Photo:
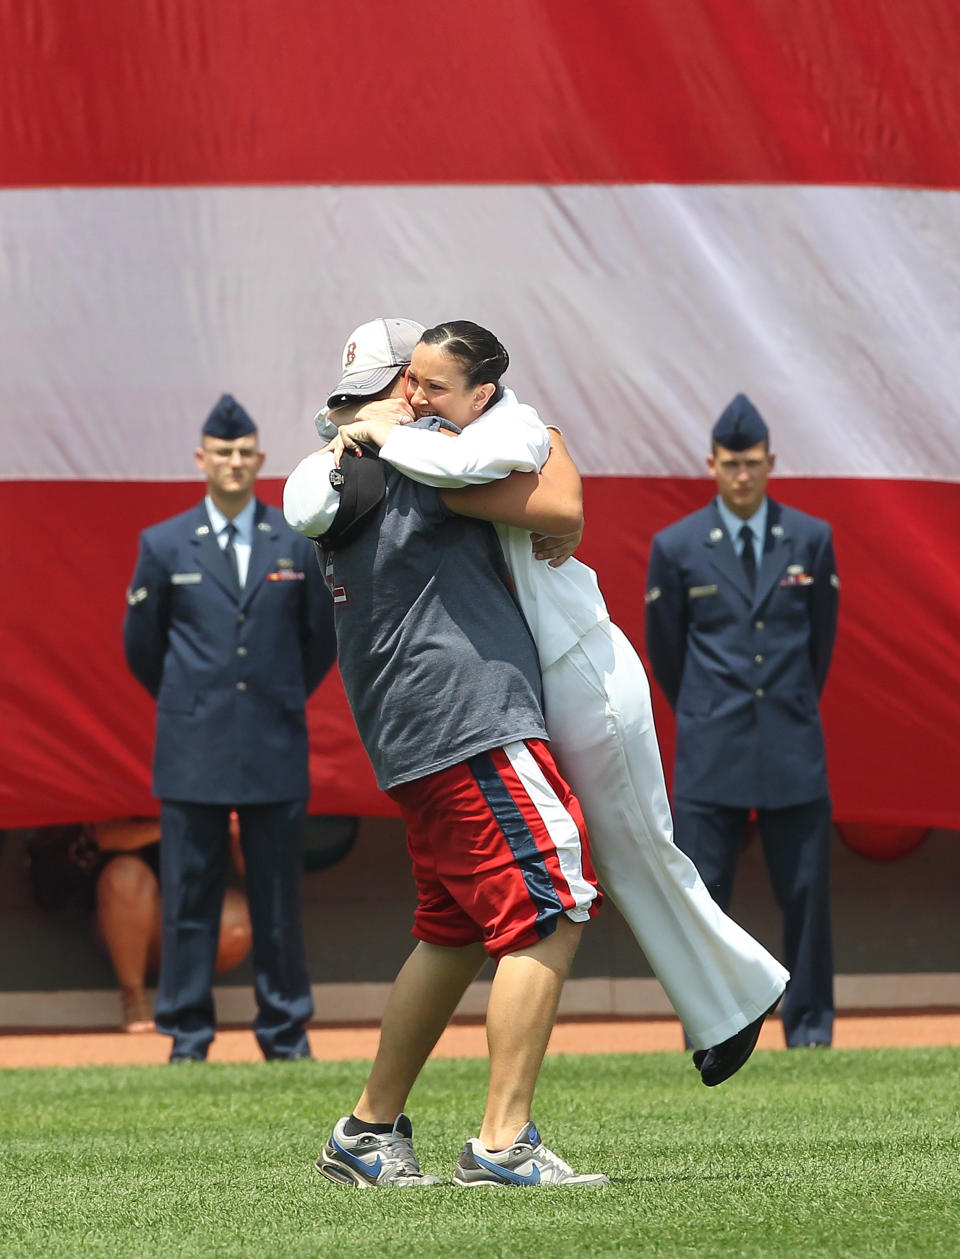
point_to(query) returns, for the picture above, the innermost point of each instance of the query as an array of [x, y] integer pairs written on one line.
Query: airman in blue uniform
[[742, 599], [229, 626]]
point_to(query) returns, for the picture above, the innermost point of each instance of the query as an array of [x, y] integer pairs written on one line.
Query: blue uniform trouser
[[796, 845], [194, 857]]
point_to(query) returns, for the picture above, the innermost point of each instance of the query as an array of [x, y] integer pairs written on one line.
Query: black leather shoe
[[721, 1061]]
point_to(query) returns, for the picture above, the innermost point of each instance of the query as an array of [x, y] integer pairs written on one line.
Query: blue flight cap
[[740, 426], [228, 421]]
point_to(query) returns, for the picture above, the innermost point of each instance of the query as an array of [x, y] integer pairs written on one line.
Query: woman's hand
[[372, 424], [555, 550]]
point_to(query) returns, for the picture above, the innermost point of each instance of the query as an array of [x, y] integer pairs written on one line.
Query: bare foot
[[137, 1015]]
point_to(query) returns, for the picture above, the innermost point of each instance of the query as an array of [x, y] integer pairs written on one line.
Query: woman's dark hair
[[480, 355]]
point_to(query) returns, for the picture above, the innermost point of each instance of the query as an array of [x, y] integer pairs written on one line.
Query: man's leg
[[509, 1151], [193, 871], [374, 1145], [270, 836], [520, 1017], [712, 836], [498, 848], [422, 1001], [796, 843]]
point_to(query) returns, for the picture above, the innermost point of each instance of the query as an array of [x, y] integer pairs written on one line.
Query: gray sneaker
[[526, 1163], [373, 1160]]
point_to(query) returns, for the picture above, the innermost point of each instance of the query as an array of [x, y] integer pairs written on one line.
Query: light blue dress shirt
[[758, 527], [243, 542]]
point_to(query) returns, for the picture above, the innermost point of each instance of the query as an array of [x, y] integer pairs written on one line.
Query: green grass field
[[852, 1153]]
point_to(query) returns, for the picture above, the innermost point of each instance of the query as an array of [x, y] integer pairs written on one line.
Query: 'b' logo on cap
[[350, 354]]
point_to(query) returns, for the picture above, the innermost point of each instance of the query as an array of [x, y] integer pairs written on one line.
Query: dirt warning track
[[462, 1040]]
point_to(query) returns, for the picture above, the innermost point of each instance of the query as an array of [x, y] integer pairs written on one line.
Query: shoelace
[[401, 1149], [552, 1160]]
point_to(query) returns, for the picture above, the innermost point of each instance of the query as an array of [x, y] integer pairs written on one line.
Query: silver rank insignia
[[652, 595], [716, 535], [777, 531], [201, 530], [264, 527], [835, 581], [136, 596]]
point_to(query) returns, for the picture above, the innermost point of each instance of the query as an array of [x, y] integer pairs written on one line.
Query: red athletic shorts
[[499, 850]]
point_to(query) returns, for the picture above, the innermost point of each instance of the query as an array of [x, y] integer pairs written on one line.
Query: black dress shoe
[[722, 1061], [698, 1057]]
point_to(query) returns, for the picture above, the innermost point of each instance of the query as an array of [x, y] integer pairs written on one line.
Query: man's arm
[[146, 622], [824, 609], [310, 500], [666, 622]]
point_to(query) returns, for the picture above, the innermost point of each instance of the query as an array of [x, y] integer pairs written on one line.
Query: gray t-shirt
[[436, 659]]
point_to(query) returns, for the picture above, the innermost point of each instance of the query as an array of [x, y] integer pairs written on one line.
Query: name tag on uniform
[[699, 592], [186, 579]]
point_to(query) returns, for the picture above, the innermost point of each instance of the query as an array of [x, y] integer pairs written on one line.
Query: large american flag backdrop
[[655, 203]]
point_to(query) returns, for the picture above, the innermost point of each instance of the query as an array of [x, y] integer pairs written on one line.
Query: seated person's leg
[[128, 914], [235, 931]]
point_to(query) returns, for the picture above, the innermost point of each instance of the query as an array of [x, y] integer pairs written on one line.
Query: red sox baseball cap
[[373, 355]]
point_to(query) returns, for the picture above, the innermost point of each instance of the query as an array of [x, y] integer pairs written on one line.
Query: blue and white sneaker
[[373, 1160], [526, 1163]]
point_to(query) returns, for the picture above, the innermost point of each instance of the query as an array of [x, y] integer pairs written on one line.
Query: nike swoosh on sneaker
[[532, 1178], [368, 1169]]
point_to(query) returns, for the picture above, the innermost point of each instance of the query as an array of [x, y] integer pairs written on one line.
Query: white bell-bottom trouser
[[600, 721]]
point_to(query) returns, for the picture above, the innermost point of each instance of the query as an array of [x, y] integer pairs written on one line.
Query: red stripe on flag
[[515, 91], [76, 731]]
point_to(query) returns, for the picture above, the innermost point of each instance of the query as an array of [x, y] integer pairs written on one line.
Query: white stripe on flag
[[632, 314]]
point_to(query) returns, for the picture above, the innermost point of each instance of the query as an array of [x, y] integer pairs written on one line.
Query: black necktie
[[748, 555], [230, 551]]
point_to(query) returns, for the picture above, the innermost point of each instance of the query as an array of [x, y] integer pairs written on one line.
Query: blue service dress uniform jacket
[[743, 669], [230, 669]]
